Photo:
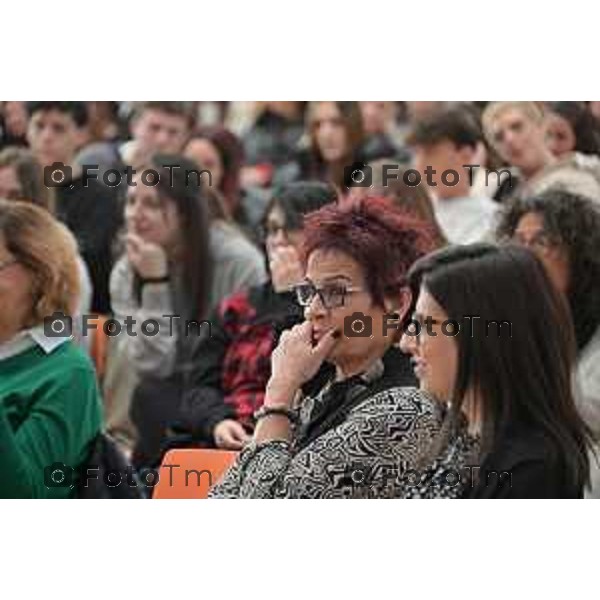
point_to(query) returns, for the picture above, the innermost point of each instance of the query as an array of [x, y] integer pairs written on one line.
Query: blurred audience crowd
[[241, 282]]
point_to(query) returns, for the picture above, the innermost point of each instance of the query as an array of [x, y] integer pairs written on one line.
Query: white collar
[[27, 339]]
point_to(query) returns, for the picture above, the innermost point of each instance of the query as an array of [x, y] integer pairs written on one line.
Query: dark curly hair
[[574, 222], [384, 240]]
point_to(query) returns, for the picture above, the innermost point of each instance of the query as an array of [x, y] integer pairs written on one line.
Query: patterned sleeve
[[361, 458], [256, 473]]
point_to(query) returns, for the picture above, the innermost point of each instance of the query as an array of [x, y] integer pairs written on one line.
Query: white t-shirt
[[465, 220], [587, 397]]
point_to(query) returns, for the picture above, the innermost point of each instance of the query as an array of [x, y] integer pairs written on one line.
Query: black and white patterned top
[[382, 449]]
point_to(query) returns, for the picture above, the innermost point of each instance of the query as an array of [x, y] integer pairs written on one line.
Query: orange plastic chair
[[99, 345], [190, 472]]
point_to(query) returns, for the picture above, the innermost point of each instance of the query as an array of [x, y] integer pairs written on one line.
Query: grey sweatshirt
[[238, 265]]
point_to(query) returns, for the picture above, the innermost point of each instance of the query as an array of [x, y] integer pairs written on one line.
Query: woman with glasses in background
[[349, 427], [563, 230], [231, 368]]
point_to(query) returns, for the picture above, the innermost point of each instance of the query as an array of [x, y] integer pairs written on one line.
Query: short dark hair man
[[158, 126], [445, 143]]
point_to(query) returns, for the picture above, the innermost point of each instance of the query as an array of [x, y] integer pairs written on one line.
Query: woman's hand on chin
[[295, 361], [148, 259]]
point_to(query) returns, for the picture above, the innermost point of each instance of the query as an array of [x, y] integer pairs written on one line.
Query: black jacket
[[525, 463], [94, 214], [230, 369]]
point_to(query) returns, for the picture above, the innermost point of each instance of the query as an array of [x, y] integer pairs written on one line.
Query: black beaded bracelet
[[163, 279], [265, 411]]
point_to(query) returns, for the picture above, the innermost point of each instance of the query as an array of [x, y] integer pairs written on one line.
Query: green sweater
[[49, 413]]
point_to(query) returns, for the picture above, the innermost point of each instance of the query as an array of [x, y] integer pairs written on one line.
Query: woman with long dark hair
[[336, 136], [563, 230], [221, 397], [178, 261], [496, 344], [220, 152]]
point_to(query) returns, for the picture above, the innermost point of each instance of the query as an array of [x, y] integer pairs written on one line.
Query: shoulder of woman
[[591, 349], [236, 257], [403, 400], [527, 449], [227, 240], [70, 363]]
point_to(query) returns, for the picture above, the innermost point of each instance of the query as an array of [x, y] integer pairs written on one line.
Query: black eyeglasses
[[332, 295]]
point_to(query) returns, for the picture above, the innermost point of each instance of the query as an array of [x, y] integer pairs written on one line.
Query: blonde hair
[[48, 250], [532, 110]]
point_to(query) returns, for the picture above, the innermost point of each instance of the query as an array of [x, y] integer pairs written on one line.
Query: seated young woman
[[178, 261], [496, 345]]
